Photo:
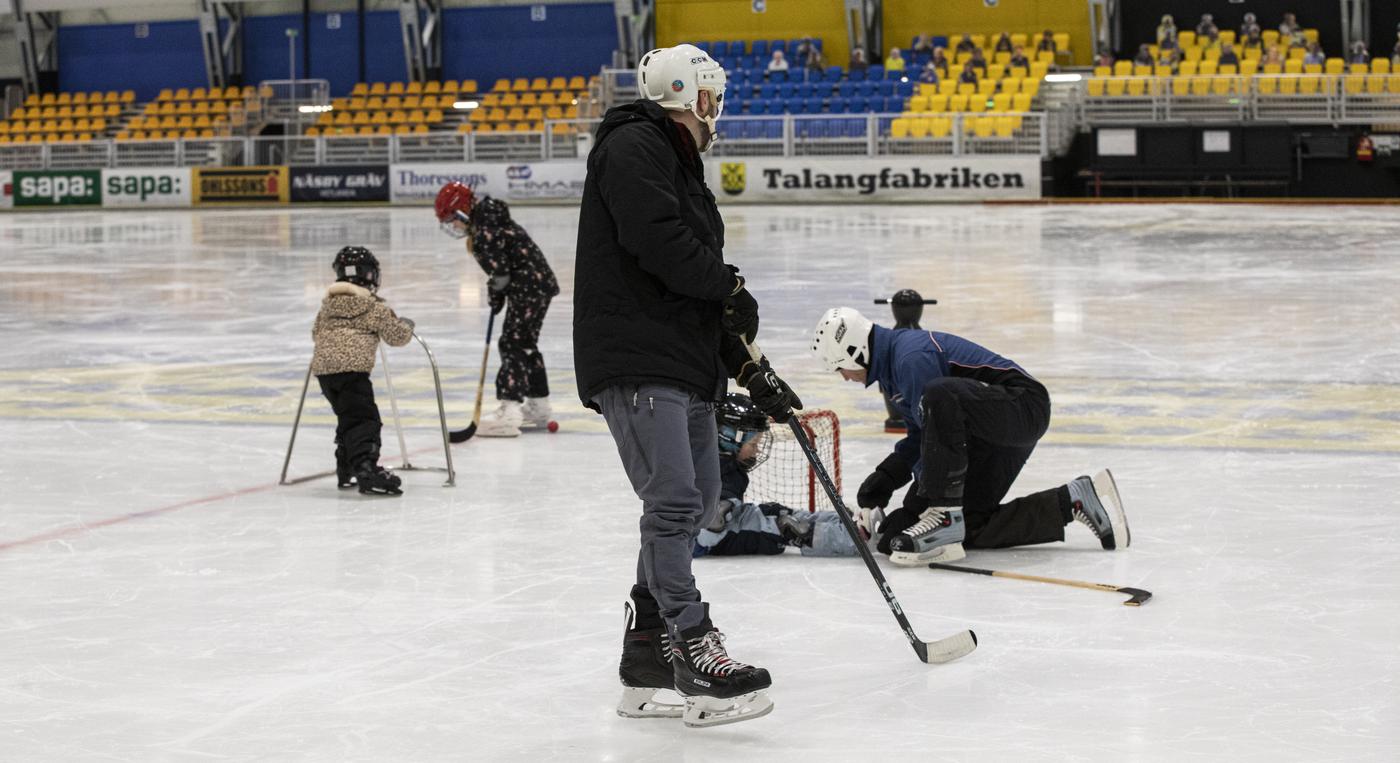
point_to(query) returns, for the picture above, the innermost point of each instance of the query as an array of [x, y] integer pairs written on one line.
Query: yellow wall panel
[[680, 21], [906, 18]]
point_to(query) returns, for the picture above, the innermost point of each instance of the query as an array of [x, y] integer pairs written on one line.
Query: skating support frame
[[398, 425]]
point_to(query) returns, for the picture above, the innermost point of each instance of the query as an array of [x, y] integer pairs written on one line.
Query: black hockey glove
[[877, 489], [741, 313], [772, 395], [899, 520]]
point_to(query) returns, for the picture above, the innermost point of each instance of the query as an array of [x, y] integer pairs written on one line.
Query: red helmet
[[454, 203]]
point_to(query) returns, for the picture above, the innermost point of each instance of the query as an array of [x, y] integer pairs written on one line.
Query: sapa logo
[[57, 188], [143, 186]]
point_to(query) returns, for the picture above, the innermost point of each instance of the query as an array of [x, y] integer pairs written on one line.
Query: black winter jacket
[[650, 277], [502, 247]]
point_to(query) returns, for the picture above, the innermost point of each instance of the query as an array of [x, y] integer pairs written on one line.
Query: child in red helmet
[[516, 271]]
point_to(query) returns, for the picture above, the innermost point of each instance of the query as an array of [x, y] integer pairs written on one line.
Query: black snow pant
[[357, 426], [522, 371], [976, 438]]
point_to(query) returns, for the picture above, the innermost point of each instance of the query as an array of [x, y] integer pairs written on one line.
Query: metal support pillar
[[421, 24], [1356, 25], [1105, 25], [865, 28], [636, 31], [223, 53], [38, 53]]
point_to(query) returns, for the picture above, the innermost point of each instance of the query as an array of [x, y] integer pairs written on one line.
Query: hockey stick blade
[[948, 649], [462, 435], [943, 650]]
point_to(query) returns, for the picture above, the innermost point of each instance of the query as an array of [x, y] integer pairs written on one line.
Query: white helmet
[[674, 77], [842, 339]]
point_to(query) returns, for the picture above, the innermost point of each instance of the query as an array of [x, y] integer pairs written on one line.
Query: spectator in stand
[[1209, 40], [1207, 27], [1315, 55], [858, 61], [1250, 20], [1289, 27], [965, 45], [1105, 57], [1169, 57], [969, 74], [1359, 54], [979, 60], [799, 54], [1047, 42], [1252, 38], [1144, 55], [929, 74], [924, 44], [813, 58], [1395, 54], [894, 62], [1272, 57], [777, 63], [1018, 58], [940, 60], [1166, 30], [1228, 56], [1004, 44]]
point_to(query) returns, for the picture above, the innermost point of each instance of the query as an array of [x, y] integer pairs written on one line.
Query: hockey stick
[[943, 650], [1138, 596], [462, 435]]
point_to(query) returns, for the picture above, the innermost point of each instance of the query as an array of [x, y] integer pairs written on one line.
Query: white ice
[[1236, 366]]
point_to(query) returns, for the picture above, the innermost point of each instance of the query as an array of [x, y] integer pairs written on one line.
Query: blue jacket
[[904, 361]]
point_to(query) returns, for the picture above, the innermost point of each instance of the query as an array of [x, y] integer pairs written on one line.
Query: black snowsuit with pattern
[[503, 248]]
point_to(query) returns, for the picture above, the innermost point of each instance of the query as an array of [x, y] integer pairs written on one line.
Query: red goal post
[[786, 477]]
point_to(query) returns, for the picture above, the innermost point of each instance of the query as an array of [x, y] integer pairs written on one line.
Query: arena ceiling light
[[466, 104], [1063, 77], [315, 108]]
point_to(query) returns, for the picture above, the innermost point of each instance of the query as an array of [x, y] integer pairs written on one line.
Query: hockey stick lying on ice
[[1138, 596], [943, 650], [462, 435]]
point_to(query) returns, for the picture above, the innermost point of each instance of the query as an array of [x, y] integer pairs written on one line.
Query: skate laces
[[930, 521], [710, 657], [1083, 517]]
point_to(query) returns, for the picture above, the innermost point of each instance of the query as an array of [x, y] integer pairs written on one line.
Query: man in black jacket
[[660, 323]]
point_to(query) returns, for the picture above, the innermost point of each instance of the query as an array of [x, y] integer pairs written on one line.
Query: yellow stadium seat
[[1188, 68], [899, 128], [1005, 127], [1358, 69], [1288, 85], [986, 87], [1394, 84], [919, 103], [919, 128], [1310, 35], [510, 99], [1222, 85], [1181, 85], [1354, 83], [1208, 68], [1142, 71], [1107, 71], [393, 102], [383, 130], [957, 102], [1021, 102], [1121, 68], [1380, 65], [378, 88], [1375, 84], [395, 88], [420, 129], [1019, 72], [1061, 40], [937, 103], [1039, 69], [1211, 54], [1030, 87], [1272, 69], [577, 83], [520, 84], [977, 103], [1293, 66], [1137, 86], [947, 87], [1335, 66], [553, 112], [985, 127], [966, 88], [1227, 36], [413, 88], [1002, 58], [360, 88], [1200, 85], [1267, 85], [1249, 67], [1312, 68], [1117, 86], [1308, 84], [366, 130], [515, 114], [48, 99], [1001, 102], [996, 71], [374, 103], [529, 99], [1018, 38], [1011, 85], [1228, 70], [539, 83]]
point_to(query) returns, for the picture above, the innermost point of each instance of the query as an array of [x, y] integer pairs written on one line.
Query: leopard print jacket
[[348, 328]]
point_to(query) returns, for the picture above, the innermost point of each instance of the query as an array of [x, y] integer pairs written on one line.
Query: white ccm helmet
[[842, 339], [674, 77]]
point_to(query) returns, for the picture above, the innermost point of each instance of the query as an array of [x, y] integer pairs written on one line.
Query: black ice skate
[[645, 668], [373, 479], [717, 689], [1095, 503]]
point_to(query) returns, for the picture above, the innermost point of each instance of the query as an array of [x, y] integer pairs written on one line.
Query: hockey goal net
[[786, 477]]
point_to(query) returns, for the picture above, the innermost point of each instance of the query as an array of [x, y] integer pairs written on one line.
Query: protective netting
[[786, 477]]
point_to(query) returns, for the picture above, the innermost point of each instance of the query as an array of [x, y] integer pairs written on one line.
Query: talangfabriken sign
[[875, 179]]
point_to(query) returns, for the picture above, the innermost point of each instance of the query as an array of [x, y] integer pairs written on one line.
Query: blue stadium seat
[[760, 48], [751, 62], [904, 89], [940, 41], [719, 49], [780, 45], [773, 128], [845, 89], [737, 47], [787, 90], [833, 74], [867, 89], [887, 88], [858, 105], [855, 128], [875, 72], [815, 105], [856, 75], [768, 90]]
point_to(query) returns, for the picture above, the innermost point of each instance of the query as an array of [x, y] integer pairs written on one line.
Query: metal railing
[[779, 135], [1300, 98]]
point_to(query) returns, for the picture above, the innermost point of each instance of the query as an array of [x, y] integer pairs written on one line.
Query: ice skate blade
[[949, 553], [488, 432], [704, 712], [642, 703], [1107, 491]]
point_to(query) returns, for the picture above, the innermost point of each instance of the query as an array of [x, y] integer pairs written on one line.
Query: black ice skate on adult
[[344, 476], [374, 479], [645, 668], [716, 688], [1095, 502]]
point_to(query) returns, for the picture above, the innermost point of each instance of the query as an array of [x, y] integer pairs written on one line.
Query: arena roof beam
[[865, 27], [636, 31], [1104, 24], [35, 58], [223, 57]]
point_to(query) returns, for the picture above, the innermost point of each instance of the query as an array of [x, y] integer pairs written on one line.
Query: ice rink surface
[[1237, 367]]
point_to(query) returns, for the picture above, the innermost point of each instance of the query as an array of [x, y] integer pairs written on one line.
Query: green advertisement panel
[[53, 188]]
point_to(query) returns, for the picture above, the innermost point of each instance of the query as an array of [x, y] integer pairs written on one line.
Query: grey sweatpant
[[670, 450]]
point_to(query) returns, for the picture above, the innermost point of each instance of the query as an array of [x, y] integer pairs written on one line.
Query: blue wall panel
[[384, 61], [335, 53], [112, 57], [265, 53], [486, 43]]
